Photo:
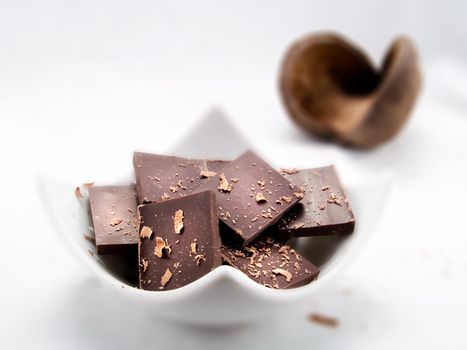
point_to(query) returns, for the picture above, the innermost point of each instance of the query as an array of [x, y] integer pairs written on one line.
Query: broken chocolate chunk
[[238, 203], [271, 263], [324, 209], [160, 177], [170, 260], [115, 227]]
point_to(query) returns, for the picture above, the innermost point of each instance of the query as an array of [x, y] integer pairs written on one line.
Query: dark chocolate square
[[169, 260], [271, 263], [324, 210], [113, 210], [251, 196], [161, 177]]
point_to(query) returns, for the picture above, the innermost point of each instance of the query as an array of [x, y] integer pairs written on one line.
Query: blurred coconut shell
[[331, 89]]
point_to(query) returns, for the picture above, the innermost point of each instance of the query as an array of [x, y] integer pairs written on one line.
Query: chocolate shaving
[[260, 197], [160, 244], [116, 221], [166, 278], [145, 264], [299, 195], [78, 193], [180, 184], [207, 174], [178, 221], [290, 171], [334, 199], [224, 185], [324, 320], [239, 231], [286, 274], [146, 232], [199, 259]]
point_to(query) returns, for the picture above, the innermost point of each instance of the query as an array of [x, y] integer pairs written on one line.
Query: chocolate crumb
[[323, 320], [239, 231], [290, 171], [78, 193], [194, 247], [165, 197], [116, 221], [286, 199], [299, 195], [180, 184]]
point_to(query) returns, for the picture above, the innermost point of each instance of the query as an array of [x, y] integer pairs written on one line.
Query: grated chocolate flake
[[285, 273], [166, 277], [146, 232], [224, 185], [289, 171], [144, 264], [178, 221], [323, 320], [260, 198], [199, 259], [78, 193], [161, 246], [299, 195], [115, 222]]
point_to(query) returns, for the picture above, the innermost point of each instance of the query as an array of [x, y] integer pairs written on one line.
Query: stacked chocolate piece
[[185, 217]]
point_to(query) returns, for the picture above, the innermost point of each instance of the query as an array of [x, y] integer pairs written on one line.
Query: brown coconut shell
[[331, 89]]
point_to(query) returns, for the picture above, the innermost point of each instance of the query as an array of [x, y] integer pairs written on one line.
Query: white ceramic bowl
[[225, 295]]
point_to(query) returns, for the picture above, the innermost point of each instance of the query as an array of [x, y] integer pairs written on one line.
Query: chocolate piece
[[324, 210], [113, 210], [160, 177], [272, 264], [251, 196], [168, 259]]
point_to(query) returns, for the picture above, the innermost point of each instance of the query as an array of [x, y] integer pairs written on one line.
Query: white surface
[[76, 79]]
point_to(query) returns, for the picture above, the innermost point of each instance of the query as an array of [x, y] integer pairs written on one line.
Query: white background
[[81, 81]]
